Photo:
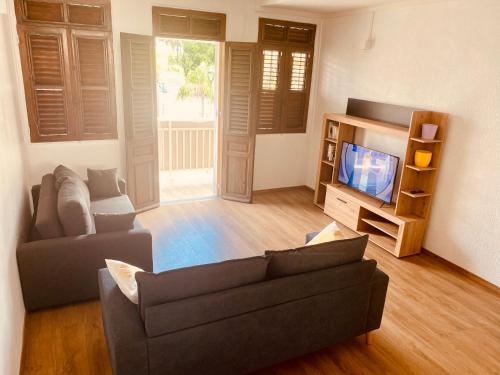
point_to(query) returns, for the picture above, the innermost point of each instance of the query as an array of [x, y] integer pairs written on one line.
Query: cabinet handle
[[341, 200]]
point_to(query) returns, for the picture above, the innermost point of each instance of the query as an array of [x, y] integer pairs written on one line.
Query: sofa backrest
[[191, 312], [178, 284], [316, 257]]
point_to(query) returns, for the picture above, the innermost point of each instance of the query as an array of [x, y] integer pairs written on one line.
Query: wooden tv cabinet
[[399, 235], [398, 228]]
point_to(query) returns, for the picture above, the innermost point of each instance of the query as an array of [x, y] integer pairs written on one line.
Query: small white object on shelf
[[332, 130], [330, 153]]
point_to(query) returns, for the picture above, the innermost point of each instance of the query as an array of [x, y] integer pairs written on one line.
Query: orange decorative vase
[[423, 158]]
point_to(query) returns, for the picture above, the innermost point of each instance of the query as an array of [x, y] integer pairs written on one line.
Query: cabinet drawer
[[342, 209]]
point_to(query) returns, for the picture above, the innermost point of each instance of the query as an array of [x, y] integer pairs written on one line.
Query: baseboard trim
[[23, 345], [469, 275], [287, 188]]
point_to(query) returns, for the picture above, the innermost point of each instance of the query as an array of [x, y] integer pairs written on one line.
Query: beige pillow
[[330, 233], [124, 276]]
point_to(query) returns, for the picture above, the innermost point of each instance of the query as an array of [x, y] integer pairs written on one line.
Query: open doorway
[[187, 78]]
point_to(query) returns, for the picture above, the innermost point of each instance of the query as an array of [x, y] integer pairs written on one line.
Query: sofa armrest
[[63, 270], [123, 328], [379, 283]]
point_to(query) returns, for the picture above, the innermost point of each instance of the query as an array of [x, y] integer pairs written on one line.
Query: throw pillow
[[61, 173], [113, 222], [73, 208], [124, 276], [330, 233], [103, 183], [315, 257]]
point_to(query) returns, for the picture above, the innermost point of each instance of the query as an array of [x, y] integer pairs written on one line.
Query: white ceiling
[[325, 6]]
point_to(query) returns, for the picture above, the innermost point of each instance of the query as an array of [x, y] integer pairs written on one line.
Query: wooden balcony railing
[[185, 147]]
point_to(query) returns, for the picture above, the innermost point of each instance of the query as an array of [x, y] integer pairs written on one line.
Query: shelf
[[330, 163], [320, 205], [415, 168], [331, 140], [416, 195], [382, 240], [422, 140], [388, 228], [383, 127]]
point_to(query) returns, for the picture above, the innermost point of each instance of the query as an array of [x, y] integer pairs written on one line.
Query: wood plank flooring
[[437, 320]]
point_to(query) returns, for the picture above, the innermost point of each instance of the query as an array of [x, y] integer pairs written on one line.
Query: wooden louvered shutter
[[269, 90], [296, 91], [94, 84], [189, 24], [141, 129], [238, 138], [44, 58]]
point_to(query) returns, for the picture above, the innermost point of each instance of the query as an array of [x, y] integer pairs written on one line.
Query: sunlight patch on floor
[[186, 184]]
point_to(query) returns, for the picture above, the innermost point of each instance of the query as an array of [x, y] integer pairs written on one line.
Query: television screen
[[369, 171]]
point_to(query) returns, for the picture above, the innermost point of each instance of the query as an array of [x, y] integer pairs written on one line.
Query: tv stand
[[397, 228]]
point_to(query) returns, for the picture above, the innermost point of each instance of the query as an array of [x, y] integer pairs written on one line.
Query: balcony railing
[[181, 147]]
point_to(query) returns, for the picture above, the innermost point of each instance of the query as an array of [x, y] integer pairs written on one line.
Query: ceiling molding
[[387, 6], [270, 6]]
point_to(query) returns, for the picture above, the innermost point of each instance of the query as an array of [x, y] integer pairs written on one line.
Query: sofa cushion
[[103, 183], [61, 173], [115, 205], [113, 222], [182, 283], [73, 208], [47, 222], [316, 257]]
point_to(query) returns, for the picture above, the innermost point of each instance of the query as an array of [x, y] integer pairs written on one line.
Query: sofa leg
[[368, 337]]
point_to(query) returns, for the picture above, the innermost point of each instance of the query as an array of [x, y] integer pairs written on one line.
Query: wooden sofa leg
[[368, 337]]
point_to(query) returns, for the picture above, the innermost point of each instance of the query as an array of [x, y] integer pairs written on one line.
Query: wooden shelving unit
[[400, 227], [328, 170]]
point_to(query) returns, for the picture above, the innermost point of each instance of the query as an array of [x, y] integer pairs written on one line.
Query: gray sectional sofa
[[56, 267], [242, 315]]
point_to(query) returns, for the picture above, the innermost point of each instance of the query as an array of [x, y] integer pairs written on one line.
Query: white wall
[[280, 159], [13, 212], [442, 56]]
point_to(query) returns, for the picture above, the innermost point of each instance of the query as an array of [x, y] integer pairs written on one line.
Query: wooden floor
[[437, 320]]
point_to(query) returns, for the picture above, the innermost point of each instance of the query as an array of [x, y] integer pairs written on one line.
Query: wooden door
[[238, 138], [141, 130], [94, 84]]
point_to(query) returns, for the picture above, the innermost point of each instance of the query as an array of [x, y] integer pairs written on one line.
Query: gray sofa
[[246, 315], [63, 269]]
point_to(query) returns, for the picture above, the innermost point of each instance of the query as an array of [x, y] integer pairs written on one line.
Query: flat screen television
[[369, 171]]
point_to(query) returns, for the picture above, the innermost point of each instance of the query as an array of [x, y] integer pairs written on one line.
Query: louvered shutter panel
[[238, 141], [44, 55], [141, 131], [272, 31], [296, 92], [42, 11], [269, 90], [189, 24], [93, 62]]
